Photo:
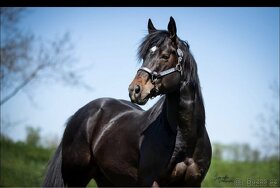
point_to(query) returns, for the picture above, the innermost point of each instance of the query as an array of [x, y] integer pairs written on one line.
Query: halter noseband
[[156, 75]]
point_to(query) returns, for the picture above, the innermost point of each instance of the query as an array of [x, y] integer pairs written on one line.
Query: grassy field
[[23, 165], [243, 174]]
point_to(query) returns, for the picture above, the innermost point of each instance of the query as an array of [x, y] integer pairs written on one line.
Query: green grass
[[23, 165], [245, 174]]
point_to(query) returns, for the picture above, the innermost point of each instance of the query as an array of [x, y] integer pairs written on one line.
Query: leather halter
[[156, 75]]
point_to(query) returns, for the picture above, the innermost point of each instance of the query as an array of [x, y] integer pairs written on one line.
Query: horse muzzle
[[140, 93], [137, 95]]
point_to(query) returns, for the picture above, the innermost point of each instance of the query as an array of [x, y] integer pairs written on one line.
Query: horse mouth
[[139, 100], [142, 101]]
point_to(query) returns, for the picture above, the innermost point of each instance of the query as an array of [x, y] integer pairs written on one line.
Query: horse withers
[[117, 143]]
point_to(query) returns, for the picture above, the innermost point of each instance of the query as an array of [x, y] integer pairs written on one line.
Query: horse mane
[[153, 39], [190, 75]]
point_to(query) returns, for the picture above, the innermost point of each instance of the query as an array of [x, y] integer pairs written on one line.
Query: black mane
[[154, 39]]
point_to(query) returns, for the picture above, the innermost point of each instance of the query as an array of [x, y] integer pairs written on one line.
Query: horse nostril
[[137, 89]]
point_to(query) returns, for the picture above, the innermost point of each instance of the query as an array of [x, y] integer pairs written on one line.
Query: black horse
[[117, 143]]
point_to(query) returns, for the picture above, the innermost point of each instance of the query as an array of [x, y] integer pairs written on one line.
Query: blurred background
[[56, 60]]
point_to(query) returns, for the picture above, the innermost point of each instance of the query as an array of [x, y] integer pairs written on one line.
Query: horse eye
[[165, 57]]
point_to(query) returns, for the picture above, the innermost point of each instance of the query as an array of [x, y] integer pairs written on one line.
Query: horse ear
[[151, 27], [172, 28]]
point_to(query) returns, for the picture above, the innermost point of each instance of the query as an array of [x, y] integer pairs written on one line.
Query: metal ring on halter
[[179, 67], [154, 77]]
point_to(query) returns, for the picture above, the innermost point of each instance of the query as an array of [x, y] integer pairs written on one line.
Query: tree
[[33, 136], [25, 59], [235, 152], [268, 124], [246, 152], [217, 151], [255, 155]]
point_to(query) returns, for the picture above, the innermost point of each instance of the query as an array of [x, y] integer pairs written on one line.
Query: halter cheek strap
[[156, 75]]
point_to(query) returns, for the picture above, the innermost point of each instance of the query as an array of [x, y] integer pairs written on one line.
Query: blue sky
[[236, 49]]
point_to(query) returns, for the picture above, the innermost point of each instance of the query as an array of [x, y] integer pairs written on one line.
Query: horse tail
[[53, 177]]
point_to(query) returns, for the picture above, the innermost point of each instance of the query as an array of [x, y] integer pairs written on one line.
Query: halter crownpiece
[[155, 75]]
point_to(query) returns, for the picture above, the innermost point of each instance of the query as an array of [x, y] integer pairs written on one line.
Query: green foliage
[[22, 164], [33, 136]]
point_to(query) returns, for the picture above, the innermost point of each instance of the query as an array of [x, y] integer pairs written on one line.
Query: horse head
[[162, 68]]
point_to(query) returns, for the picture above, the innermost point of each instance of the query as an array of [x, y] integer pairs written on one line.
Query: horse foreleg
[[155, 184], [187, 172]]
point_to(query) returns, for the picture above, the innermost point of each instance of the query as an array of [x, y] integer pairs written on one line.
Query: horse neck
[[185, 109]]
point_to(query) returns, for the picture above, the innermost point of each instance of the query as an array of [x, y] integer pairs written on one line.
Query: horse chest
[[155, 151]]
